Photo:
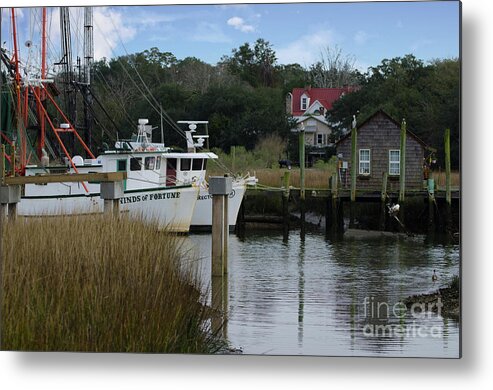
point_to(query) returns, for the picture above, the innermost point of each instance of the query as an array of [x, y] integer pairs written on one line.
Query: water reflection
[[311, 295]]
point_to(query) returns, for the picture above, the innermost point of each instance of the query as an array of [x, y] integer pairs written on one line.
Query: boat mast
[[18, 116], [41, 116], [66, 62], [88, 61]]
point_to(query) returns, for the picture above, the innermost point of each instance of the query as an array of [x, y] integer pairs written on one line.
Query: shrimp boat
[[190, 168], [159, 187]]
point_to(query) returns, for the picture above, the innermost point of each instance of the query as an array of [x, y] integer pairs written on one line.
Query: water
[[315, 297]]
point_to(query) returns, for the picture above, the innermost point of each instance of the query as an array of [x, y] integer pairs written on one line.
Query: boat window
[[205, 165], [135, 163], [149, 163], [185, 164], [122, 166], [158, 163], [171, 163], [197, 164]]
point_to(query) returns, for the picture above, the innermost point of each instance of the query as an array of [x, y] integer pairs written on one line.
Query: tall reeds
[[95, 283]]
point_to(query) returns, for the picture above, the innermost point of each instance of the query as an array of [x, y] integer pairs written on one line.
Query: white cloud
[[305, 50], [209, 32], [361, 37], [110, 31], [239, 24]]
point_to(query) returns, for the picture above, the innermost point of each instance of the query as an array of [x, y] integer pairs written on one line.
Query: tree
[[334, 69], [256, 66]]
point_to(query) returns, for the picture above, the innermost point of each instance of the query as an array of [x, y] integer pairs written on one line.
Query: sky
[[298, 32]]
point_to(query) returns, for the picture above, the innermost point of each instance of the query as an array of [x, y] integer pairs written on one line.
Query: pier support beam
[[285, 204], [354, 163], [431, 208], [302, 178], [220, 188], [112, 192], [383, 202], [402, 163], [9, 197], [448, 191]]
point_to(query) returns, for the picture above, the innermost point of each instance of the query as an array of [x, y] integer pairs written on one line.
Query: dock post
[[448, 191], [402, 172], [431, 208], [354, 163], [10, 195], [111, 193], [302, 177], [219, 187], [335, 204], [328, 210], [383, 200], [402, 164], [285, 204]]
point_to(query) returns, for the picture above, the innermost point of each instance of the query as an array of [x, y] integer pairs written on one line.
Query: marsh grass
[[98, 284]]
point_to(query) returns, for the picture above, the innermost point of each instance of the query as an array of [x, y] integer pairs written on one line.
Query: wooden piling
[[402, 164], [448, 191], [431, 208], [302, 180], [217, 234], [285, 203], [302, 164], [354, 172], [219, 188], [335, 204], [328, 210], [225, 234], [383, 202], [354, 163]]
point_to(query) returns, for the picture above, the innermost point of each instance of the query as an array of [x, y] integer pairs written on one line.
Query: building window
[[364, 161], [304, 103], [135, 163], [394, 162], [321, 139]]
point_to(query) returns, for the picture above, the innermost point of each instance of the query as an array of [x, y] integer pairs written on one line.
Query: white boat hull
[[170, 207], [202, 216]]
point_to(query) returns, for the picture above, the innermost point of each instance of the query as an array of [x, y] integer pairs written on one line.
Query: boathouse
[[378, 150]]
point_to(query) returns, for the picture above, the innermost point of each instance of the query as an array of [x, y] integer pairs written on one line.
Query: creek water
[[313, 296]]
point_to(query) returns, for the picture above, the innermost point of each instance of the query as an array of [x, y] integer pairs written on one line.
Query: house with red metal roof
[[308, 107]]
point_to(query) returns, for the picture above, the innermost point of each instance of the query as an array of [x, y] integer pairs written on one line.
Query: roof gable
[[326, 97], [398, 125]]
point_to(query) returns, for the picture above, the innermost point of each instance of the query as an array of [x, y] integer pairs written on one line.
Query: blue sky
[[298, 32]]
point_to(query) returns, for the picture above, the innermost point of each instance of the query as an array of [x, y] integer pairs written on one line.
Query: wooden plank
[[65, 178]]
